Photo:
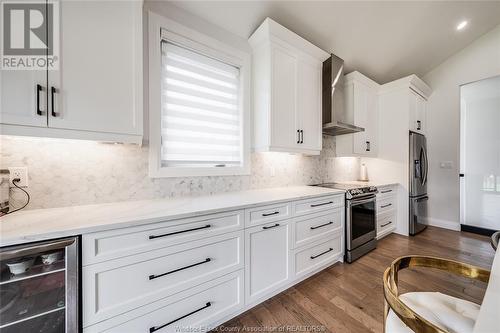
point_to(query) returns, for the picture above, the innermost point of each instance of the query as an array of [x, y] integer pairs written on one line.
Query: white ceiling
[[383, 40]]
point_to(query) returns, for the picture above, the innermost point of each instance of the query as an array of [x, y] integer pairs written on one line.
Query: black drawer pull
[[385, 206], [386, 191], [270, 214], [156, 328], [322, 225], [386, 224], [271, 226], [151, 277], [319, 255], [321, 204], [179, 232]]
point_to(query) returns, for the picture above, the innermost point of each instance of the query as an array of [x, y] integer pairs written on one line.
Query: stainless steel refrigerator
[[419, 169]]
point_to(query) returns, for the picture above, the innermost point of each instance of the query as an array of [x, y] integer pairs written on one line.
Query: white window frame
[[164, 29]]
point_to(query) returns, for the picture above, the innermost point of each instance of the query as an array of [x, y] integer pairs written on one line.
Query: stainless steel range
[[361, 223]]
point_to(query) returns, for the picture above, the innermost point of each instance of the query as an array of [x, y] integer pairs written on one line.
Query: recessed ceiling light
[[462, 25]]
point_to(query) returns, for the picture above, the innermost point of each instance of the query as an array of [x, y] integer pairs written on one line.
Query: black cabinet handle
[[271, 226], [322, 253], [321, 204], [321, 225], [156, 328], [386, 224], [385, 206], [301, 136], [368, 146], [298, 136], [53, 91], [419, 125], [38, 90], [179, 232], [386, 191], [270, 214], [152, 277]]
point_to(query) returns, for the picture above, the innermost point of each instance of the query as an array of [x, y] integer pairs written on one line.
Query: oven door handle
[[361, 201]]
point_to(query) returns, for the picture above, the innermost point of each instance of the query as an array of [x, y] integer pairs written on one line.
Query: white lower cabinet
[[387, 209], [319, 254], [203, 270], [117, 286], [267, 263], [190, 311], [316, 226]]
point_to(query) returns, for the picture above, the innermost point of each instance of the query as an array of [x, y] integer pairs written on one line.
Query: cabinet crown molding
[[411, 81], [359, 77], [270, 28]]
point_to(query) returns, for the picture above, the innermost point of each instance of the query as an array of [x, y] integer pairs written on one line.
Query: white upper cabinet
[[418, 112], [287, 91], [96, 93], [23, 97], [361, 101]]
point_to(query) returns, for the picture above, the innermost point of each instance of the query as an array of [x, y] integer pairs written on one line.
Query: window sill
[[172, 172]]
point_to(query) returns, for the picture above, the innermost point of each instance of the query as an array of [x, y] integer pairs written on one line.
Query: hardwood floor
[[349, 298]]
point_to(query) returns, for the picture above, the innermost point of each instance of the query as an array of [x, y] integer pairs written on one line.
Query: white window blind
[[201, 125]]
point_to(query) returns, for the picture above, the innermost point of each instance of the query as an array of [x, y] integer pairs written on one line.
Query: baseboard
[[446, 224], [477, 230]]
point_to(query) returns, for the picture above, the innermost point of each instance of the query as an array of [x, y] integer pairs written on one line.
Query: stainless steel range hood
[[337, 119]]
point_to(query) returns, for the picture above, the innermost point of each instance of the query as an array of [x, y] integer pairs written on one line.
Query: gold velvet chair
[[494, 240], [428, 312]]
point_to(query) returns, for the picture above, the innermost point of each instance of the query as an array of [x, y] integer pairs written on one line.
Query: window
[[200, 110], [198, 104]]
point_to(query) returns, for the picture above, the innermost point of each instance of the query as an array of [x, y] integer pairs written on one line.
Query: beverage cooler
[[39, 287]]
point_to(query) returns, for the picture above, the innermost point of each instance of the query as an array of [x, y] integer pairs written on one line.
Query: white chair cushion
[[449, 313]]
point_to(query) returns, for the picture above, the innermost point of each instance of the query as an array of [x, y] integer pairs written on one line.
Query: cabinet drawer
[[317, 204], [315, 256], [201, 307], [116, 286], [266, 214], [386, 222], [312, 227], [386, 191], [386, 203], [102, 246]]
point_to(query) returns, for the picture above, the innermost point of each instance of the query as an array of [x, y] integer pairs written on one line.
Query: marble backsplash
[[70, 172]]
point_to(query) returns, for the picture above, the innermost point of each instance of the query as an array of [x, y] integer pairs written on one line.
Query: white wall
[[479, 60]]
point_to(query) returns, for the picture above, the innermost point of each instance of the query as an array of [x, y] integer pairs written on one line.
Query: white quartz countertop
[[368, 183], [40, 224], [489, 314]]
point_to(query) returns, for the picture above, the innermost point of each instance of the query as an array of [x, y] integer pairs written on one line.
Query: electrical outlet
[[21, 173]]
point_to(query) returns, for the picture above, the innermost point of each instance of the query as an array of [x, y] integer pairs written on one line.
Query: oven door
[[361, 221]]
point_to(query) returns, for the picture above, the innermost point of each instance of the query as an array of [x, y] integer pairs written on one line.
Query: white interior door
[[480, 153]]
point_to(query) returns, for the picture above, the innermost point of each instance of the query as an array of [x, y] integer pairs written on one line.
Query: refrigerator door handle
[[426, 167]]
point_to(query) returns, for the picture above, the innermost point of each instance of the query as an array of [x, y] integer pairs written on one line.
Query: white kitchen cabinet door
[[362, 100], [98, 86], [309, 105], [418, 113], [284, 98], [23, 97], [286, 91], [267, 262]]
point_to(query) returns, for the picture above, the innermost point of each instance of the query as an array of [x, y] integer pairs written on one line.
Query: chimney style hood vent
[[336, 118]]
